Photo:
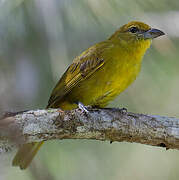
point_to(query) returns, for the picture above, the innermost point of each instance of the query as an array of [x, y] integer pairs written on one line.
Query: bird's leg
[[82, 107]]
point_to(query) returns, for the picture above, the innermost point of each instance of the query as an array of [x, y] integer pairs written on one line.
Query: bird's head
[[136, 31]]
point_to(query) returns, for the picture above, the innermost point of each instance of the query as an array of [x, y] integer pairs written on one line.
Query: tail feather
[[25, 154]]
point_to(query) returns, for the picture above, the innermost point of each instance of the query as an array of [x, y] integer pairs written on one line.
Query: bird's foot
[[82, 107], [123, 110]]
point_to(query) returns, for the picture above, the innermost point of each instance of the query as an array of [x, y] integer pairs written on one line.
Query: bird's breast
[[108, 82], [117, 78], [120, 69]]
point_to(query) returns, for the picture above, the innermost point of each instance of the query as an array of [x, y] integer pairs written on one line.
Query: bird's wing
[[82, 67]]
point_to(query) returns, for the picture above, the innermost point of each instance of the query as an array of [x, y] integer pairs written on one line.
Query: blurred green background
[[39, 39]]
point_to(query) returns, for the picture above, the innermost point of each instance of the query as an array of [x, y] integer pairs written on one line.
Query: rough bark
[[98, 124]]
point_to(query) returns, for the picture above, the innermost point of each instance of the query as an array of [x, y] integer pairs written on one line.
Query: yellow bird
[[98, 75]]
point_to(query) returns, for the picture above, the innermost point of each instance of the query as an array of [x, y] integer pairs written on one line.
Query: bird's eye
[[133, 29]]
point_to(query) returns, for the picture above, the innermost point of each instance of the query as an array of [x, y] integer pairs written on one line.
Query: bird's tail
[[25, 154]]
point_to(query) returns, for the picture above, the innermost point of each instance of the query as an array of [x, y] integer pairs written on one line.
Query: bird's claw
[[123, 110], [82, 107]]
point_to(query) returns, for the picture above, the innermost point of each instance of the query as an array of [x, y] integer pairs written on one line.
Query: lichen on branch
[[99, 124]]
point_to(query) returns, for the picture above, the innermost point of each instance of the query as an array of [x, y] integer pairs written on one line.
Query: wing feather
[[82, 67]]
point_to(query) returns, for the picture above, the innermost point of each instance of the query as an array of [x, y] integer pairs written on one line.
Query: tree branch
[[99, 124]]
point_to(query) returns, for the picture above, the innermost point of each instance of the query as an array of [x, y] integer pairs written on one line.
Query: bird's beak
[[153, 33]]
